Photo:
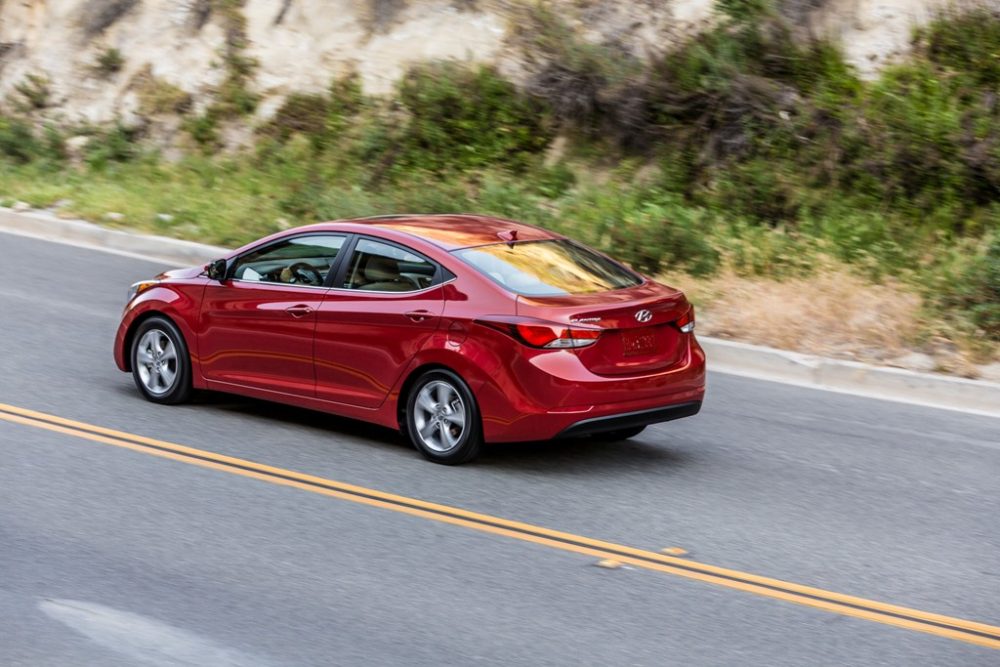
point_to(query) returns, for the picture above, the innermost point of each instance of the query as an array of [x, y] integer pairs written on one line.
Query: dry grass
[[832, 313]]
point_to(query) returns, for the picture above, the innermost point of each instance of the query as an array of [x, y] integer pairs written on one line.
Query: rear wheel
[[161, 366], [620, 434], [442, 419]]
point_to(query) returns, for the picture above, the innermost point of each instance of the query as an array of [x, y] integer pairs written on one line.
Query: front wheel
[[161, 366], [442, 419]]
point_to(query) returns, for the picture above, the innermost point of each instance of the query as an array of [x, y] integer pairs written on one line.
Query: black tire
[[438, 416], [173, 361], [620, 434]]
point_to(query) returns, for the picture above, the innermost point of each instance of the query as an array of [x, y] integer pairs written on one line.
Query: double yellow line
[[959, 629]]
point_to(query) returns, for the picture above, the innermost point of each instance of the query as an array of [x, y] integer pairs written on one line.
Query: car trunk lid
[[639, 334]]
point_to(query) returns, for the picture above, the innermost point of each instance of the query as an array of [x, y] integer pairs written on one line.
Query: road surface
[[118, 547]]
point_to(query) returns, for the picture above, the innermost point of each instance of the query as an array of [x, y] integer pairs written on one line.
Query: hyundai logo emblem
[[643, 316]]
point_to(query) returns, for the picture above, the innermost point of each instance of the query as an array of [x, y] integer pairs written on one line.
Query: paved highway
[[117, 547]]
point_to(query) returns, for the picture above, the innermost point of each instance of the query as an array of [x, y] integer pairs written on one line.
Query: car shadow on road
[[577, 456], [301, 417], [585, 456]]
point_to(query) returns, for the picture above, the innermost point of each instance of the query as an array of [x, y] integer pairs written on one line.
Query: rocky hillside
[[96, 60]]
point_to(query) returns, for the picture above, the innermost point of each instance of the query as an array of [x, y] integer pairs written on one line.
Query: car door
[[258, 324], [386, 302]]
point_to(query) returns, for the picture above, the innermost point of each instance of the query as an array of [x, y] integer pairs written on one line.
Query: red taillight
[[545, 334], [537, 335], [686, 321]]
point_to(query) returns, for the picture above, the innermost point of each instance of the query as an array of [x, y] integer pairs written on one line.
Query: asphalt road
[[115, 557]]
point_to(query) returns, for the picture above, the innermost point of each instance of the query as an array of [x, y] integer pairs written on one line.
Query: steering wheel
[[306, 274]]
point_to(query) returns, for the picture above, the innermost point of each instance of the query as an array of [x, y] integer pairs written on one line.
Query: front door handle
[[300, 310], [418, 315]]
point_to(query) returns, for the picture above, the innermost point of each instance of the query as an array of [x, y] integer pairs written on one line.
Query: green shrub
[[752, 250], [595, 89], [650, 230], [346, 101], [204, 129], [303, 113], [741, 11], [117, 144], [974, 286], [461, 118], [967, 43], [17, 142], [34, 91], [157, 96], [109, 61], [234, 97], [53, 144]]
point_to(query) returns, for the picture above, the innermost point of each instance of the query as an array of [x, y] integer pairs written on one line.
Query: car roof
[[453, 231]]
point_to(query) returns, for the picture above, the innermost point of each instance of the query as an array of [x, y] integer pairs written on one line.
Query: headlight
[[138, 288]]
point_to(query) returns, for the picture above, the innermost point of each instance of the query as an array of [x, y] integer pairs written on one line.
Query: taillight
[[546, 335], [686, 321]]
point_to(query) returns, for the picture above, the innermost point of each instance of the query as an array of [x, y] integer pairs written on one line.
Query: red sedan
[[456, 329]]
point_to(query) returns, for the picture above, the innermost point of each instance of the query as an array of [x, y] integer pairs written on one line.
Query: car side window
[[381, 267], [302, 260]]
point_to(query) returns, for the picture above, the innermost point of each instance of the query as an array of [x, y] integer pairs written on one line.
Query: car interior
[[378, 273], [302, 261], [374, 266]]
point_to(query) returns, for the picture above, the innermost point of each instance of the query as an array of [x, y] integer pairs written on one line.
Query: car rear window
[[548, 268]]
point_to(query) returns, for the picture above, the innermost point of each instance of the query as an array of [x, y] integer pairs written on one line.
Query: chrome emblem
[[643, 316]]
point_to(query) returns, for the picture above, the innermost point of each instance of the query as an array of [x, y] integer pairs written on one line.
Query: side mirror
[[216, 269]]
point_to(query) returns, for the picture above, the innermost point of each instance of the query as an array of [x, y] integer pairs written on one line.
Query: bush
[[743, 10], [109, 61], [117, 144], [967, 43], [17, 142], [975, 287], [204, 129], [234, 97], [35, 92], [602, 91], [157, 96], [465, 118], [650, 230], [303, 113]]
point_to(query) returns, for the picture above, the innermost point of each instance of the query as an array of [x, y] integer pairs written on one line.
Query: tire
[[620, 434], [161, 365], [442, 418]]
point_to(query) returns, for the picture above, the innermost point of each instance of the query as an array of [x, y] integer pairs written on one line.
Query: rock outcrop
[[92, 61]]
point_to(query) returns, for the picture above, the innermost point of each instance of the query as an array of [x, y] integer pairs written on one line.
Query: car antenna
[[510, 236]]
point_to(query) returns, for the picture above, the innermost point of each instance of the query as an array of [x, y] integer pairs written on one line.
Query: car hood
[[187, 272]]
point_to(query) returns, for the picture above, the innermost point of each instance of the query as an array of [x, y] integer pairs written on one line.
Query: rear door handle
[[418, 315], [299, 311]]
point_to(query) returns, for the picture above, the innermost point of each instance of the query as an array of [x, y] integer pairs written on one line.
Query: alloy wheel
[[157, 362], [440, 416]]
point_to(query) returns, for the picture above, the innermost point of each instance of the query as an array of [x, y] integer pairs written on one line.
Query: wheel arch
[[133, 327]]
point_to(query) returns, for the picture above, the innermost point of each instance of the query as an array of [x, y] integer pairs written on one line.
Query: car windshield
[[548, 268]]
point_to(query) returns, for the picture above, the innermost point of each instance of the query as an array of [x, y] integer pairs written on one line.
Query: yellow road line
[[973, 632]]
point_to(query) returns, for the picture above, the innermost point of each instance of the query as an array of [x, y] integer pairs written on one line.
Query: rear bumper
[[630, 419], [557, 396]]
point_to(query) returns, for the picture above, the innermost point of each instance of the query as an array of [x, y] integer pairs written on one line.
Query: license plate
[[638, 343]]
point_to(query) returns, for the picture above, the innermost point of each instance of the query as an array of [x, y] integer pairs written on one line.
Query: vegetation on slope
[[748, 150]]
